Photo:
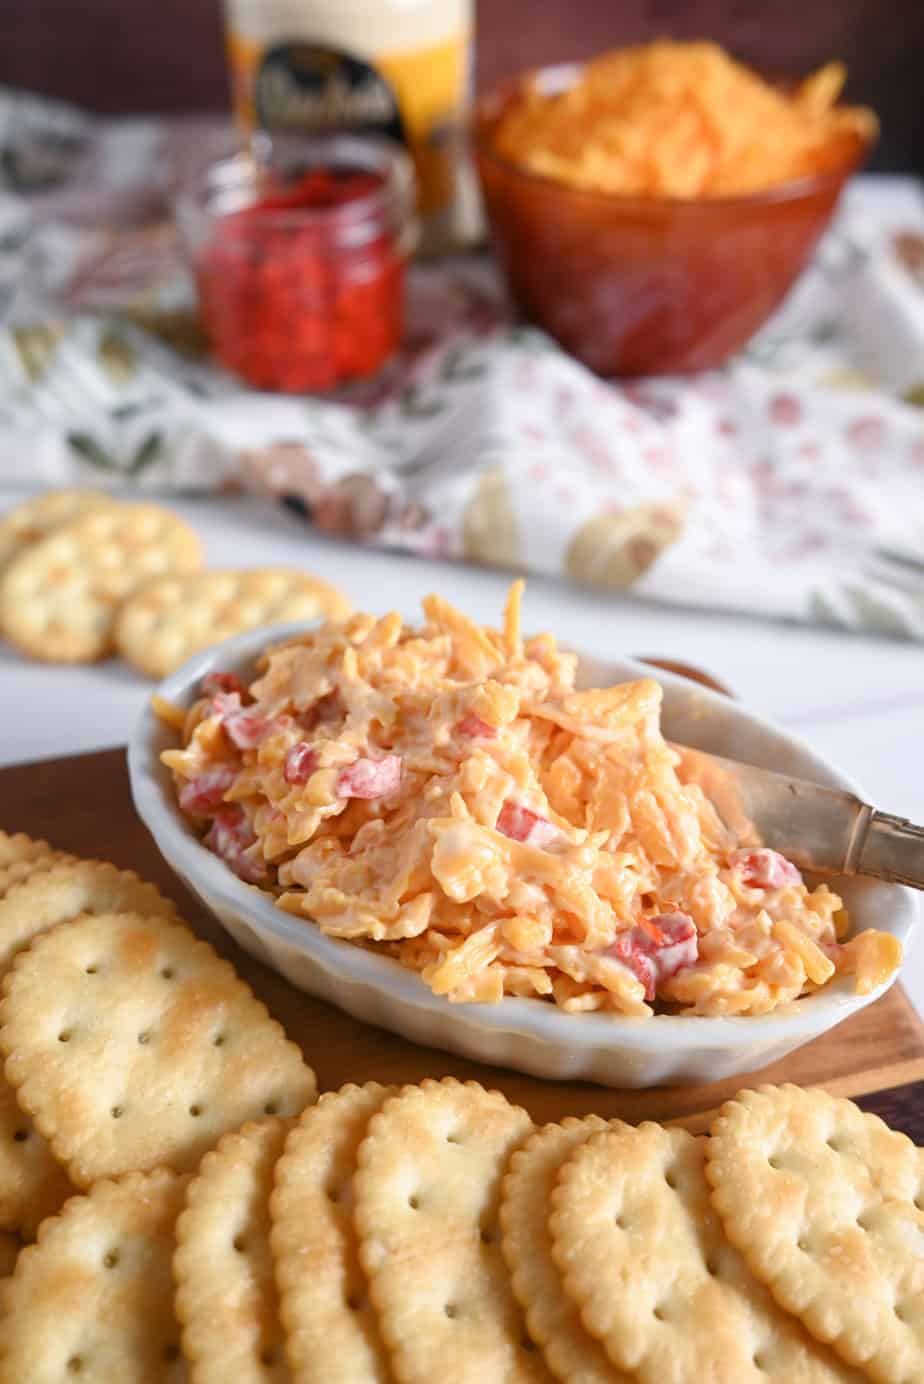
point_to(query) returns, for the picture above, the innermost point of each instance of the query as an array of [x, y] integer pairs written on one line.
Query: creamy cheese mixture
[[444, 796]]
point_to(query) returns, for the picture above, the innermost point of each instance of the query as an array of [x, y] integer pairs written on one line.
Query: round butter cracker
[[33, 1184], [571, 1353], [21, 870], [826, 1204], [133, 1045], [330, 1325], [18, 849], [426, 1193], [168, 620], [92, 1301], [66, 890], [226, 1296], [34, 519], [642, 1255], [59, 598]]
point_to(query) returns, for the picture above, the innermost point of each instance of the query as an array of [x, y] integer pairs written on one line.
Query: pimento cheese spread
[[444, 796]]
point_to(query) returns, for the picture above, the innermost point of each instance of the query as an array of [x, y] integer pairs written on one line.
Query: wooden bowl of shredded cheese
[[651, 208]]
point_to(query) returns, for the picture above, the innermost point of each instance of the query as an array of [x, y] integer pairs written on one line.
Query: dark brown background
[[167, 55]]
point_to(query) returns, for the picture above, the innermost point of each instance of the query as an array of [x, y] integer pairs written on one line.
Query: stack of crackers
[[83, 576], [191, 1211]]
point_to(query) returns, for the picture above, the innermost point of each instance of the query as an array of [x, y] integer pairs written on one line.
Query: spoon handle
[[892, 848]]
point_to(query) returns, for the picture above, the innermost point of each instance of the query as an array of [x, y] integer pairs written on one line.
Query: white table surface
[[858, 701]]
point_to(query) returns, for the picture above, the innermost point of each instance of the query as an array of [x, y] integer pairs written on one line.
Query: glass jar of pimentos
[[299, 261]]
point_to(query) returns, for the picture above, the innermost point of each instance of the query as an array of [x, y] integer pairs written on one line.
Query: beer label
[[304, 86]]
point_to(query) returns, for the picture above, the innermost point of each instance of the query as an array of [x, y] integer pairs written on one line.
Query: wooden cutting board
[[82, 804]]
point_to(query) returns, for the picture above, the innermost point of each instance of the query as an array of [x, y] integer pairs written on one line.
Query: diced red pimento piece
[[657, 948], [214, 683], [474, 728], [674, 942], [765, 869], [522, 824], [229, 836], [243, 726], [246, 729], [370, 778], [301, 762], [202, 794], [629, 950], [226, 703]]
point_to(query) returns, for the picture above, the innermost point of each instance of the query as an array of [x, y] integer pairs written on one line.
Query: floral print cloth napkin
[[790, 484]]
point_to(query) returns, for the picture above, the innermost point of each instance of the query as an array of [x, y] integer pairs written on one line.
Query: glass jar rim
[[232, 184]]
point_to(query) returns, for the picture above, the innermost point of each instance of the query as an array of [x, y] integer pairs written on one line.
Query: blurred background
[[362, 351], [117, 57]]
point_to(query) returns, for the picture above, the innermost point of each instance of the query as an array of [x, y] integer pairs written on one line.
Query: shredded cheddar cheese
[[445, 796], [680, 120]]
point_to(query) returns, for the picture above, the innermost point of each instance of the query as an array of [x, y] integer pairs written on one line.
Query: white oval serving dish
[[529, 1035]]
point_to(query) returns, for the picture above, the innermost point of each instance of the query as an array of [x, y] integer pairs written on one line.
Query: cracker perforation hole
[[659, 1313], [269, 1356], [451, 1310], [219, 1040], [760, 1362], [271, 1107], [20, 1136], [803, 1244], [527, 1344], [144, 1038], [111, 1259], [712, 1267], [117, 1112], [333, 1192], [620, 1221], [195, 1111], [91, 971], [414, 1203], [75, 1364], [240, 1244], [453, 1138], [670, 1176], [487, 1235], [172, 1353], [64, 1036], [167, 973], [354, 1302], [775, 1162]]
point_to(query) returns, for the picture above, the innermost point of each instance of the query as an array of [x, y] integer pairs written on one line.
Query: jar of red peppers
[[300, 269]]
